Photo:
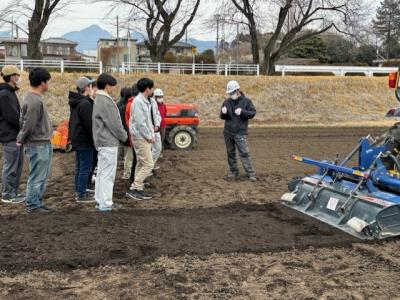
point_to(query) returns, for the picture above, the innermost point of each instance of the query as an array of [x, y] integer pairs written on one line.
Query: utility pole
[[217, 18], [237, 43], [129, 50], [117, 60], [12, 27]]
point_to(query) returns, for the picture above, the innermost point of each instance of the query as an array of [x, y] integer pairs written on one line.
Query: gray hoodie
[[106, 122], [36, 127], [140, 124]]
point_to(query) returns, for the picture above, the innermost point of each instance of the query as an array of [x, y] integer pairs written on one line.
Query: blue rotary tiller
[[362, 200]]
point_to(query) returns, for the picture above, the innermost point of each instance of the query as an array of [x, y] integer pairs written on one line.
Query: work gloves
[[238, 111]]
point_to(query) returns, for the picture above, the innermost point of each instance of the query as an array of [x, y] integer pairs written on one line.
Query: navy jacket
[[10, 111], [234, 124]]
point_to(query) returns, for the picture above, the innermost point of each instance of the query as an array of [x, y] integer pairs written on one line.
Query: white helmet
[[158, 93], [232, 86]]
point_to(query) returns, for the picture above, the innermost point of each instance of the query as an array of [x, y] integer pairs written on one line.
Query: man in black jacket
[[81, 136], [237, 110], [9, 127]]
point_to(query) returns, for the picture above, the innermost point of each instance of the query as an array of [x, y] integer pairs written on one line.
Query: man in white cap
[[9, 127], [237, 110]]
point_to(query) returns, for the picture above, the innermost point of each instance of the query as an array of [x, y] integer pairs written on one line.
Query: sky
[[82, 14]]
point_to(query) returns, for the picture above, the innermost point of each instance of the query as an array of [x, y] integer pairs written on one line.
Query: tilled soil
[[201, 236]]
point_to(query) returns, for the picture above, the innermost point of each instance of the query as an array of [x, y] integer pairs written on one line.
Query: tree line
[[295, 27]]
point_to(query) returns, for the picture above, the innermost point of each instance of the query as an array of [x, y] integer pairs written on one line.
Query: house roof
[[114, 39], [56, 40], [177, 44], [14, 40]]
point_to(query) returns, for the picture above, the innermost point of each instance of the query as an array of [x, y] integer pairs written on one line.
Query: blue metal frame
[[367, 156]]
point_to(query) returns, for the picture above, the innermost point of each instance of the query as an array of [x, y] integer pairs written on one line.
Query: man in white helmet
[[237, 110]]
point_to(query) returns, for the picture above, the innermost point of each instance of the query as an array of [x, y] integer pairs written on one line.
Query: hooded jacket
[[80, 121], [10, 111], [106, 121], [234, 124]]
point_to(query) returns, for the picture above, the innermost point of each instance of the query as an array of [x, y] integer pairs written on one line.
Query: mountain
[[5, 34], [87, 38]]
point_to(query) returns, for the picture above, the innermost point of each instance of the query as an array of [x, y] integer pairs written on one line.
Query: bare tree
[[320, 15], [243, 12], [165, 22], [37, 13]]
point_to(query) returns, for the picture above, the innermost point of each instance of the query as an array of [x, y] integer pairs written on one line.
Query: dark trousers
[[83, 169], [12, 169], [133, 168], [163, 132], [94, 166], [239, 142]]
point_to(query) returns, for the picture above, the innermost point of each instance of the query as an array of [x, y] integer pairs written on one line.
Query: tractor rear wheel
[[182, 138]]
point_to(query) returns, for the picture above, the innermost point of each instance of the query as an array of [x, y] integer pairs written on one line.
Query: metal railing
[[336, 70], [186, 68], [62, 65]]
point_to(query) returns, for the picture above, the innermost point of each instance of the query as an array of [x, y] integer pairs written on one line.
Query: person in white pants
[[108, 133], [156, 148]]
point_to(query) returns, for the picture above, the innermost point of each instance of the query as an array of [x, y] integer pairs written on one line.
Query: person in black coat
[[9, 128], [81, 136], [237, 110], [126, 93]]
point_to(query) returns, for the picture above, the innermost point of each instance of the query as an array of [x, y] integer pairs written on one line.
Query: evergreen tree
[[314, 47], [387, 24]]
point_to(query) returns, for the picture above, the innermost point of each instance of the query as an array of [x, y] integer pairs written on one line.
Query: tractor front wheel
[[182, 138]]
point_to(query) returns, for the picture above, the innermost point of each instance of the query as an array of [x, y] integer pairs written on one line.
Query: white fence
[[62, 65], [336, 70], [219, 69]]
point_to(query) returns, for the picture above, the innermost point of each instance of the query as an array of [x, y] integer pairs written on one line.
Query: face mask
[[160, 100], [19, 81], [234, 97]]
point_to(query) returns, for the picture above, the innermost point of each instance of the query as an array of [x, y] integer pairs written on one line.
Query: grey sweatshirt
[[36, 127], [106, 122], [140, 124]]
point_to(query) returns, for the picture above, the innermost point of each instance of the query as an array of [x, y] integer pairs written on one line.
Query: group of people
[[97, 127]]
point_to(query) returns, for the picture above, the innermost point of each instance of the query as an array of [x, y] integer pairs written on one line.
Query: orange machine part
[[60, 136]]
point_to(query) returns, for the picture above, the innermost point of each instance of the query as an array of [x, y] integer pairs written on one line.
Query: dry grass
[[293, 101]]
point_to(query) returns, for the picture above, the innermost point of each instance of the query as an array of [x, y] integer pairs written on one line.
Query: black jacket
[[122, 108], [10, 110], [80, 121], [234, 124]]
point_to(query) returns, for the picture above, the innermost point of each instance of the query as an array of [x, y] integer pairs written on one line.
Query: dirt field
[[200, 238]]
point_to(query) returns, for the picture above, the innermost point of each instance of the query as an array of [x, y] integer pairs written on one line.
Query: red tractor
[[181, 134]]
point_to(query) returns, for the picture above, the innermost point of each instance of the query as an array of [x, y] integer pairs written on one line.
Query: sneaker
[[232, 177], [253, 178], [90, 188], [19, 198], [41, 210], [115, 206], [138, 195], [84, 199]]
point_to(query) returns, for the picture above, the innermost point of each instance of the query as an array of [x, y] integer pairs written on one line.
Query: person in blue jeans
[[10, 110], [35, 135], [81, 136]]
